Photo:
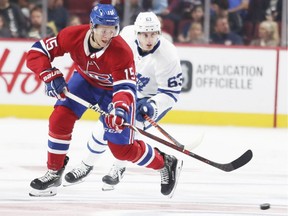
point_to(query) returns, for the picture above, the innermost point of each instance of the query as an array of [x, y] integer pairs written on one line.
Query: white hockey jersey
[[159, 74]]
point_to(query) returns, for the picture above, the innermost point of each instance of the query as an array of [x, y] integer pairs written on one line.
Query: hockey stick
[[154, 124], [172, 139], [99, 110], [227, 167]]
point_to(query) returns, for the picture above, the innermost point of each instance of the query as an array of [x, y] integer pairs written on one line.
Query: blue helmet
[[104, 14]]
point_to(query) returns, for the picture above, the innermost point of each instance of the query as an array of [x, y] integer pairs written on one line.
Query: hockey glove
[[117, 116], [145, 107], [54, 83]]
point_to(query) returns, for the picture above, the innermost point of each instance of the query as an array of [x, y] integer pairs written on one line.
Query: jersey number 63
[[175, 80]]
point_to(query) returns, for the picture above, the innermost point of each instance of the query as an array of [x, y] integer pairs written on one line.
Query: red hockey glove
[[117, 116], [54, 83]]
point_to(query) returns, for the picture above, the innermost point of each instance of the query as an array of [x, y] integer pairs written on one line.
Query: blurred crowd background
[[227, 22]]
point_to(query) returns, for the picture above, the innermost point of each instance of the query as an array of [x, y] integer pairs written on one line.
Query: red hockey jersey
[[108, 68]]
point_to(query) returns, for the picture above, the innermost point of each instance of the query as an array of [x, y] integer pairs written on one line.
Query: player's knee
[[130, 152], [62, 120]]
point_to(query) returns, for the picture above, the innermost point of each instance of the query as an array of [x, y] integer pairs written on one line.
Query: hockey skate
[[78, 174], [170, 174], [113, 178], [47, 184]]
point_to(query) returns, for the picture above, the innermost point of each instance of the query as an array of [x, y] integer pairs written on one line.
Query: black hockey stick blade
[[228, 167], [242, 160]]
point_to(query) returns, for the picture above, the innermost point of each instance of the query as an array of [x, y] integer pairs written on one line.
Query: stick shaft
[[239, 162], [165, 133]]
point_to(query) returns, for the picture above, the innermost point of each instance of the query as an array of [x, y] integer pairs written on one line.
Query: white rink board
[[230, 80], [17, 82], [282, 106], [250, 90]]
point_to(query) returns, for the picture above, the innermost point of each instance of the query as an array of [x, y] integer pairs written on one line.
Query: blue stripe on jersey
[[58, 146], [124, 86], [38, 45], [166, 90], [93, 151], [169, 93], [98, 142], [147, 157]]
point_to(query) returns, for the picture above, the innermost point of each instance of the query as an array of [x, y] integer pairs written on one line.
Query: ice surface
[[202, 190]]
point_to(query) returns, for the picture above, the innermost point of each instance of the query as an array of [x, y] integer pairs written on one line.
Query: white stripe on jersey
[[44, 47], [57, 151], [59, 141]]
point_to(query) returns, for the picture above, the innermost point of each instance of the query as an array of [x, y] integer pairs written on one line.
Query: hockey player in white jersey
[[159, 81]]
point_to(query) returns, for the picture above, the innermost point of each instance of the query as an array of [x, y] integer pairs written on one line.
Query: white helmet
[[147, 22]]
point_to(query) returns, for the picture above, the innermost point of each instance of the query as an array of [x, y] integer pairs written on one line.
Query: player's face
[[103, 34], [148, 40]]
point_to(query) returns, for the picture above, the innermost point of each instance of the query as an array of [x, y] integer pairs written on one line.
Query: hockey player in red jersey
[[105, 76], [159, 82]]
